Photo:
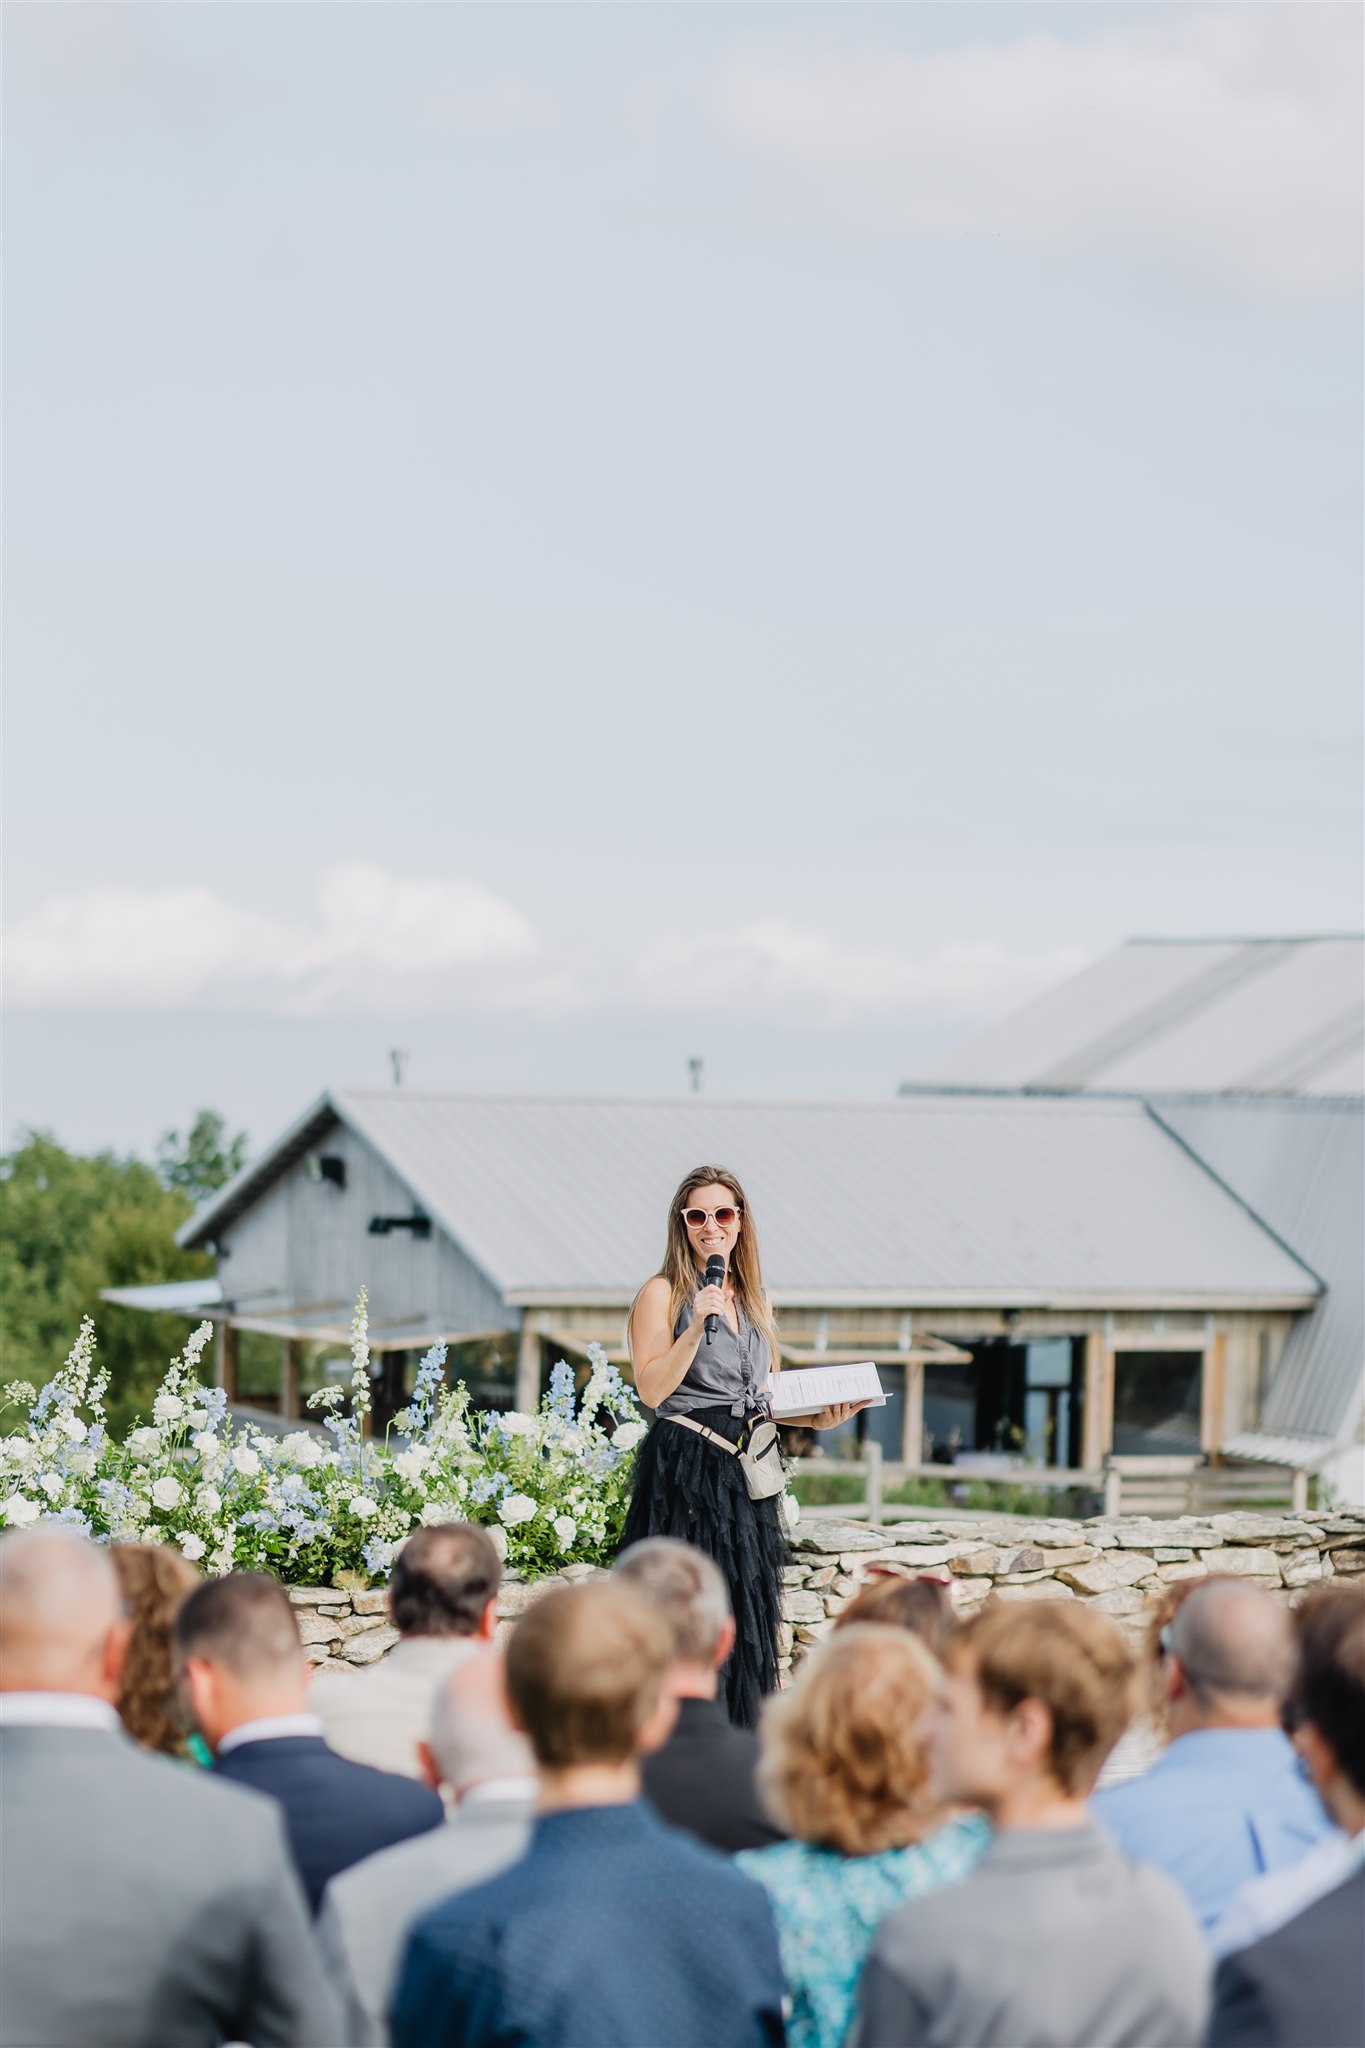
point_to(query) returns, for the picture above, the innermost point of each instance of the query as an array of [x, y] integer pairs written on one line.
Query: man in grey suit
[[1055, 1940], [145, 1904], [367, 1910]]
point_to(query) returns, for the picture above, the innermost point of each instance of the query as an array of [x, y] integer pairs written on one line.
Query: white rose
[[362, 1507], [628, 1435], [19, 1449], [206, 1443], [247, 1462], [412, 1464], [435, 1511], [192, 1546], [301, 1448], [51, 1483], [209, 1501], [498, 1538], [791, 1510], [199, 1418], [517, 1508], [19, 1512], [140, 1508], [167, 1408], [168, 1493], [517, 1424], [565, 1528], [72, 1426], [144, 1443]]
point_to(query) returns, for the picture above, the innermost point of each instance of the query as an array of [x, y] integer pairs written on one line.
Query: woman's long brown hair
[[680, 1267]]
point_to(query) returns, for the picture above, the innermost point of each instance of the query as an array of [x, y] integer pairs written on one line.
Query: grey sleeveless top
[[727, 1372]]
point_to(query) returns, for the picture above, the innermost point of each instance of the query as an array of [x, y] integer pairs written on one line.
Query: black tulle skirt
[[693, 1490]]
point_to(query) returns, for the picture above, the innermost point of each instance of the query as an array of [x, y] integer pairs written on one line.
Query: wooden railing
[[1129, 1486]]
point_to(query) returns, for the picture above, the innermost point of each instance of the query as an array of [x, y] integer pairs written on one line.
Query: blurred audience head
[[62, 1624], [843, 1764], [237, 1644], [585, 1676], [155, 1581], [472, 1737], [1326, 1704], [922, 1605], [1229, 1658], [445, 1582], [690, 1594], [1034, 1698]]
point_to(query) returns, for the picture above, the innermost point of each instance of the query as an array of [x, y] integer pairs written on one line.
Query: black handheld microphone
[[715, 1275]]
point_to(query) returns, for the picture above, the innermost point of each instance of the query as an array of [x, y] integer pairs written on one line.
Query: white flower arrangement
[[551, 1488]]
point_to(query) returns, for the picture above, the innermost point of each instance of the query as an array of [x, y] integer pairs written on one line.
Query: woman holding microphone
[[706, 1390]]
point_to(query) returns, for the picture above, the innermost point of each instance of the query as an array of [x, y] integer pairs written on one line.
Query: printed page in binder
[[806, 1389]]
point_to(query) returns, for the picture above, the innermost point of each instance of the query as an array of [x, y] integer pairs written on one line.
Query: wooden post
[[912, 1421], [873, 1453], [1113, 1490], [291, 1358], [1097, 1421], [528, 1359], [1211, 1397], [1298, 1492], [226, 1353]]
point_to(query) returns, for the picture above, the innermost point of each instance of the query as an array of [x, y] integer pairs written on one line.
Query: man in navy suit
[[614, 1931], [246, 1677]]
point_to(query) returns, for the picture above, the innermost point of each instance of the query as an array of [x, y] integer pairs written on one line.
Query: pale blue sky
[[566, 537]]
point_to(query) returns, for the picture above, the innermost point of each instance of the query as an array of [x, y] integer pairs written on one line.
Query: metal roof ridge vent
[[1160, 1017]]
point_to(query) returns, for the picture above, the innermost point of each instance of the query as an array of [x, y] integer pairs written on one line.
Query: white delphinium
[[20, 1511], [71, 1426], [791, 1510], [362, 1507], [192, 1546], [497, 1536], [303, 1449]]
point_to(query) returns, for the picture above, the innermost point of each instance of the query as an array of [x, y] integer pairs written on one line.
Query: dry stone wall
[[1120, 1565]]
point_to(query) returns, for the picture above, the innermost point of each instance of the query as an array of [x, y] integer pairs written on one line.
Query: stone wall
[[1118, 1565]]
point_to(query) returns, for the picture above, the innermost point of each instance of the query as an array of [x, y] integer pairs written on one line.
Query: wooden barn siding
[[308, 1241]]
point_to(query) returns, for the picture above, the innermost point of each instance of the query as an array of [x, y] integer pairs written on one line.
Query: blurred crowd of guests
[[567, 1845]]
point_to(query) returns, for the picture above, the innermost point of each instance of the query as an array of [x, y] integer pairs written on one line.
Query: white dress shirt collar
[[273, 1728], [57, 1710], [500, 1792]]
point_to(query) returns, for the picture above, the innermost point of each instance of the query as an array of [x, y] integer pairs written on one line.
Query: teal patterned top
[[828, 1907]]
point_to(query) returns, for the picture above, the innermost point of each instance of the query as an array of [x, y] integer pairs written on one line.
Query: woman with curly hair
[[155, 1580], [843, 1770]]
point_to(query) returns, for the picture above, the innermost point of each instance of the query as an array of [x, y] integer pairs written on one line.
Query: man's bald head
[[1235, 1646], [61, 1615], [472, 1737]]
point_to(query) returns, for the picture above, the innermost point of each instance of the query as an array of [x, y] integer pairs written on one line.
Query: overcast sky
[[566, 538]]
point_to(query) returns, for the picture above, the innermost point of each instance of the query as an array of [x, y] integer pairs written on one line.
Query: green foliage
[[814, 1488], [204, 1160], [69, 1226]]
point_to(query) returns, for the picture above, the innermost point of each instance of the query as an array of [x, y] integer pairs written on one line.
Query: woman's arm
[[661, 1359]]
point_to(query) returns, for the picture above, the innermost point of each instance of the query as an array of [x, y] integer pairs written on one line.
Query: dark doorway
[[1026, 1398], [1157, 1398]]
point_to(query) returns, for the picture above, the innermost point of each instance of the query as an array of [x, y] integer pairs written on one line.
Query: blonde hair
[[842, 1763], [1073, 1660], [585, 1668], [680, 1267]]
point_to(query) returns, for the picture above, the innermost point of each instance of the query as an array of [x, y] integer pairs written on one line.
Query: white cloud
[[1227, 145], [381, 944], [376, 943], [771, 967]]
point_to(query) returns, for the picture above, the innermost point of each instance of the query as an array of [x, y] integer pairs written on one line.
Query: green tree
[[69, 1226], [204, 1160]]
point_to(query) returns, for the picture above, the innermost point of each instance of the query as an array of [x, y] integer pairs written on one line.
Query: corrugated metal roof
[[1009, 1201], [1243, 1015], [1300, 1164], [1301, 1452]]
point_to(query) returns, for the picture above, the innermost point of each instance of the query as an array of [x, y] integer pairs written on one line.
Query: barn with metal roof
[[1060, 1276]]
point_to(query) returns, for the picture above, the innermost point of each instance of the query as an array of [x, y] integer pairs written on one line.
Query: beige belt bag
[[760, 1461]]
